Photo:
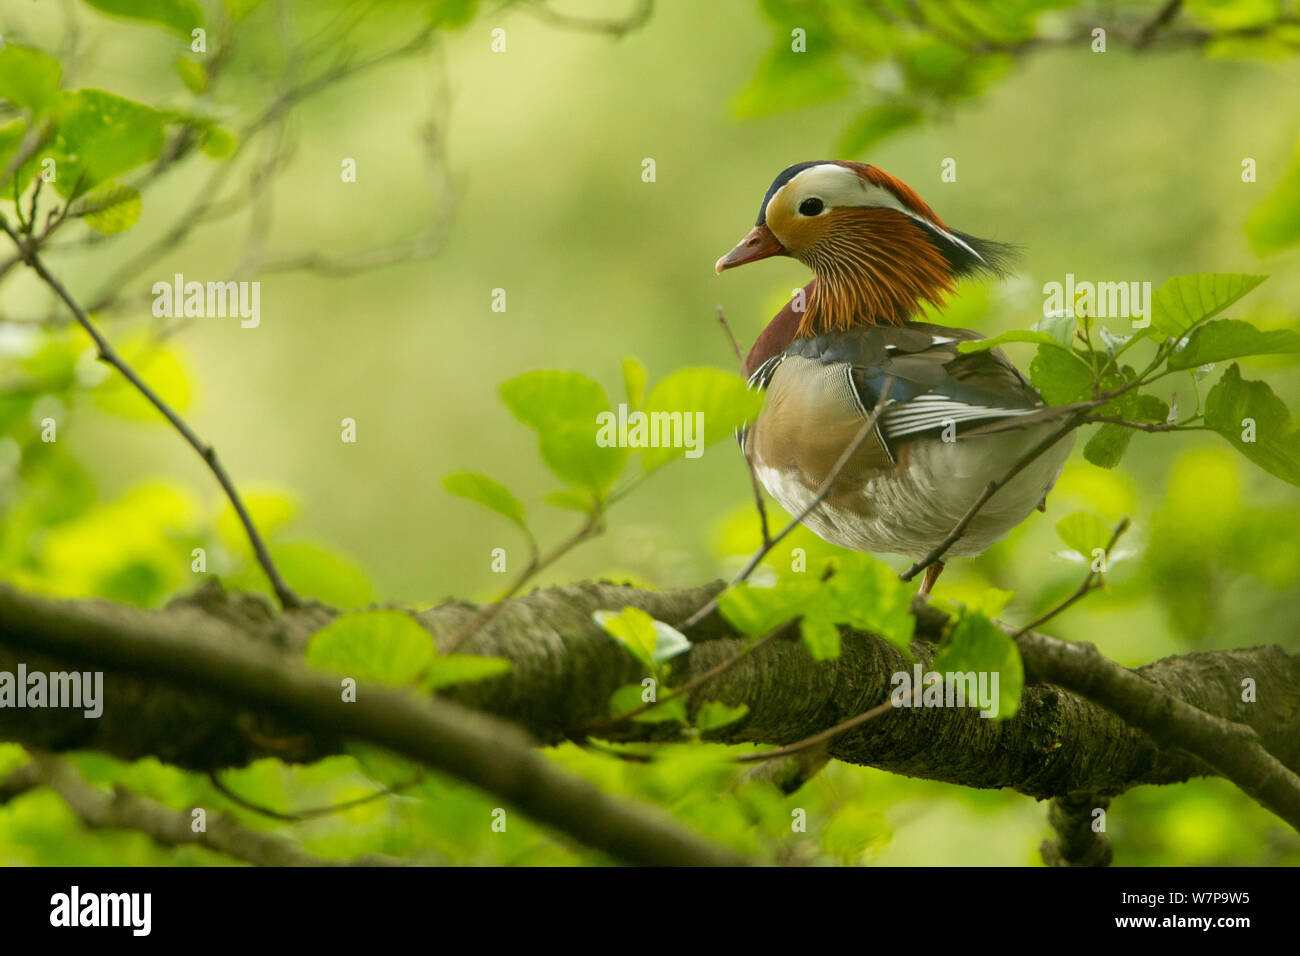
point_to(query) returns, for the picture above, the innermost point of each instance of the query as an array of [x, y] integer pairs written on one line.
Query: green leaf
[[821, 637], [445, 670], [787, 80], [488, 492], [754, 611], [29, 78], [450, 14], [573, 500], [1107, 446], [976, 644], [1084, 533], [181, 16], [101, 136], [1256, 423], [386, 646], [875, 124], [720, 400], [1275, 224], [1059, 376], [629, 697], [1183, 301], [1231, 338], [565, 409], [865, 593], [217, 143], [1059, 327], [651, 642], [634, 378], [192, 74], [1017, 335], [111, 208], [714, 713]]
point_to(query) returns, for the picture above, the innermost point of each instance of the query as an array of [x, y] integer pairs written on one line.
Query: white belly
[[910, 510]]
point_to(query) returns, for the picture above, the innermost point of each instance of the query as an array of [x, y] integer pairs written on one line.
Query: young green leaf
[[1184, 301], [1256, 423], [1084, 533], [29, 78], [633, 628], [820, 637], [979, 646], [1274, 225], [634, 378], [101, 136], [488, 492], [111, 208], [444, 670], [1059, 376], [631, 696], [566, 410], [1231, 338], [714, 713], [385, 646], [1016, 335], [721, 400], [1107, 446], [180, 16]]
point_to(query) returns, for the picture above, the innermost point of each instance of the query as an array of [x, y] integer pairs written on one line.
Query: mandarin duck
[[950, 423]]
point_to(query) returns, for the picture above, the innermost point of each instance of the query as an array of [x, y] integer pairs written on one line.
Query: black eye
[[810, 207]]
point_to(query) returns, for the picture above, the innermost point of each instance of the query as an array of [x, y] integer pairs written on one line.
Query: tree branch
[[189, 666]]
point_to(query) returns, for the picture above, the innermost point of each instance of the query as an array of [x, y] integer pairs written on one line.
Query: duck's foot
[[932, 573]]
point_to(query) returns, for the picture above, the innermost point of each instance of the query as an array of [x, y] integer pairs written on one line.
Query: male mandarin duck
[[878, 253]]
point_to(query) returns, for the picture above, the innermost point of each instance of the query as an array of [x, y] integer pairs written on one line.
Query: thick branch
[[180, 685], [152, 655]]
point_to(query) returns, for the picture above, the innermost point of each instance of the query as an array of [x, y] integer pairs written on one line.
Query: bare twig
[[309, 812], [827, 484], [538, 563], [825, 736], [636, 18], [123, 810], [1091, 582], [938, 551], [284, 594], [694, 683]]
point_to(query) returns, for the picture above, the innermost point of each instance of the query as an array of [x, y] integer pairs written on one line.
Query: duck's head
[[877, 250]]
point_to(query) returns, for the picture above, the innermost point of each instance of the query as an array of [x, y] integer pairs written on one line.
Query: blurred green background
[[1117, 166]]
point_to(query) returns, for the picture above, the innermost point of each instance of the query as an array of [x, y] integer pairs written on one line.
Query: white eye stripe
[[840, 186]]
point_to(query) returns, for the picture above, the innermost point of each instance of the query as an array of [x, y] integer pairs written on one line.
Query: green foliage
[[179, 16], [563, 407], [975, 643], [863, 593], [651, 642], [1084, 534], [391, 647], [109, 209], [721, 397], [1231, 338], [1256, 423], [488, 492], [1185, 301]]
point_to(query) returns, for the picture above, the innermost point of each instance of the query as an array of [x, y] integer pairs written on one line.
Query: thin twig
[[309, 812], [939, 550], [829, 734], [825, 489], [1091, 582], [694, 683], [590, 528], [284, 594]]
